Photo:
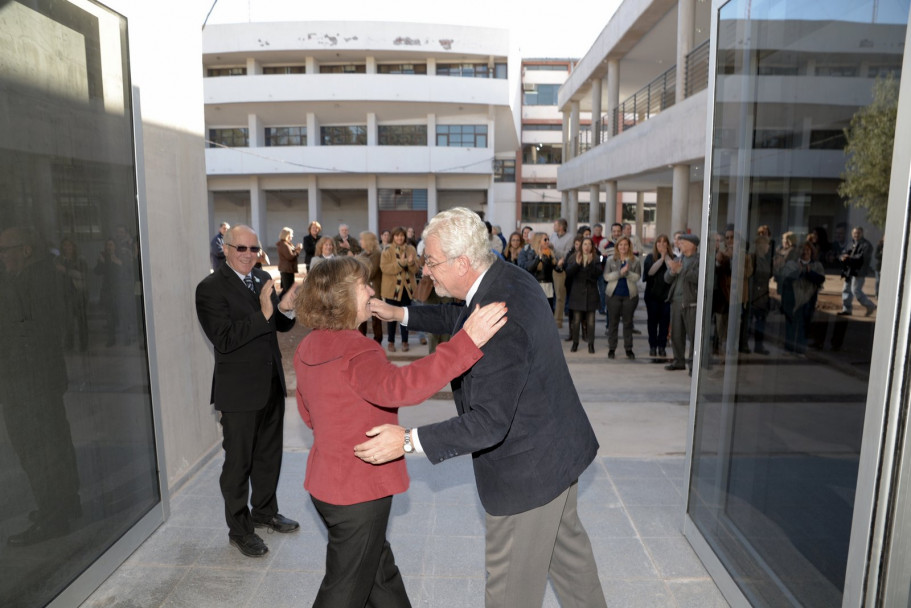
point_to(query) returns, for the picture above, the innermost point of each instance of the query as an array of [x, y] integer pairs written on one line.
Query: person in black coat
[[656, 292], [520, 418], [583, 267], [240, 313]]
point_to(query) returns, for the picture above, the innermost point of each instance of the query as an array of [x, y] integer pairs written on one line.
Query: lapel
[[237, 283]]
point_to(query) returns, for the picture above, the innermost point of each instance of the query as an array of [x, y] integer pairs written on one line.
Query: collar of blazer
[[235, 279]]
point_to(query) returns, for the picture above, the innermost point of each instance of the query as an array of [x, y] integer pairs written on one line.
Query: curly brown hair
[[327, 299]]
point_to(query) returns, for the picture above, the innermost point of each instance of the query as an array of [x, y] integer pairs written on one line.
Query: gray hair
[[462, 232]]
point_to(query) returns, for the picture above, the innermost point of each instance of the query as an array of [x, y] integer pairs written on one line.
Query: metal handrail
[[697, 69], [652, 99]]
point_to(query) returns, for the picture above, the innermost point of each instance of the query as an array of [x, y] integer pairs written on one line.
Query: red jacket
[[346, 386]]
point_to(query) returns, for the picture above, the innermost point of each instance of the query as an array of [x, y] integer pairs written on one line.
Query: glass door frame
[[110, 560], [880, 527]]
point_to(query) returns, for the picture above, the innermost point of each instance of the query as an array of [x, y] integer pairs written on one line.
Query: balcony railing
[[654, 98], [697, 69]]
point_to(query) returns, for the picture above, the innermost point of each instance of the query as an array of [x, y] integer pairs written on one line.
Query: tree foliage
[[868, 166]]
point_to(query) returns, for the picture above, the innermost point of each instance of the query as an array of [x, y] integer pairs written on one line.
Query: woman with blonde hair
[[621, 273], [370, 255], [325, 249], [346, 386], [288, 254], [399, 263], [540, 261]]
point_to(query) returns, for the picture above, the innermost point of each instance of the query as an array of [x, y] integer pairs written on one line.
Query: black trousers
[[253, 457], [287, 280], [360, 567]]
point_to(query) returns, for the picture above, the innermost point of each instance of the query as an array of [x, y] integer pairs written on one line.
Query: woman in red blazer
[[345, 386]]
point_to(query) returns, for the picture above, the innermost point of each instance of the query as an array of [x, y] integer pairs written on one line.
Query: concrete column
[[371, 129], [564, 203], [373, 206], [596, 112], [573, 130], [613, 97], [572, 214], [432, 130], [566, 135], [256, 130], [594, 204], [253, 67], [680, 197], [371, 65], [663, 203], [610, 205], [433, 206], [431, 66], [313, 137], [312, 65], [258, 209], [314, 199], [640, 213], [686, 18]]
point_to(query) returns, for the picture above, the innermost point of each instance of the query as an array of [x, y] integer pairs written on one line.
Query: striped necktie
[[248, 281]]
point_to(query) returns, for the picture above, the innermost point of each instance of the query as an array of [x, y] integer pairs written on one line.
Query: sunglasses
[[244, 248]]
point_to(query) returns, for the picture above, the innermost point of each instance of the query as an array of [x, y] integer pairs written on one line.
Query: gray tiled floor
[[630, 500]]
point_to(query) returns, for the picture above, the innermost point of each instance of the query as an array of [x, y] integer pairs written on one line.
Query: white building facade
[[375, 125]]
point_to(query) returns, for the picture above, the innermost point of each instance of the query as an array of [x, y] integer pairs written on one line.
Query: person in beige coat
[[621, 273], [399, 265]]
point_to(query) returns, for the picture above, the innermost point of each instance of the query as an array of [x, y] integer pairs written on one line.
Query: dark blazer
[[519, 413], [246, 347]]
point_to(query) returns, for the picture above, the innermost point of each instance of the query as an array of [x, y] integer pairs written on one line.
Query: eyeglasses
[[432, 265], [244, 248]]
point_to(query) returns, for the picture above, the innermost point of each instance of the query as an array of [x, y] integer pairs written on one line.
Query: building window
[[401, 68], [229, 138], [543, 67], [884, 71], [542, 154], [285, 69], [349, 135], [540, 212], [504, 170], [463, 70], [553, 127], [402, 199], [402, 135], [351, 68], [462, 136], [215, 72], [500, 71], [286, 136], [541, 94]]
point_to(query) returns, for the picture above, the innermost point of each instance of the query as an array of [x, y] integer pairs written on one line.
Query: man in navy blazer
[[519, 416], [240, 314]]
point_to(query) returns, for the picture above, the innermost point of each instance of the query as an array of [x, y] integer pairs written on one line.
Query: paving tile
[[174, 546], [654, 492], [455, 556], [624, 468], [623, 558], [675, 558], [286, 590], [621, 593], [214, 588], [656, 521], [697, 594], [606, 522], [137, 587]]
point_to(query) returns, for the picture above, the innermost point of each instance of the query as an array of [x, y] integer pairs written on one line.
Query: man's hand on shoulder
[[387, 443]]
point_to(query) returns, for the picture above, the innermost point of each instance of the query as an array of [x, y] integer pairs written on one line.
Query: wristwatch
[[408, 447]]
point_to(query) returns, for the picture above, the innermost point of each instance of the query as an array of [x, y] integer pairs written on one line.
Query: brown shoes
[[390, 347], [405, 347]]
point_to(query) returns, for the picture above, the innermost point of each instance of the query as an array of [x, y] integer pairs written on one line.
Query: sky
[[541, 28]]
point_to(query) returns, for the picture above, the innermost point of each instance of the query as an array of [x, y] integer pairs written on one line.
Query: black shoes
[[653, 352], [630, 354], [662, 352], [591, 348], [673, 366], [610, 354], [574, 347], [278, 523], [250, 545]]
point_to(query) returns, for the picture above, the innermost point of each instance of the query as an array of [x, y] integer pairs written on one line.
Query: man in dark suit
[[236, 306], [519, 416]]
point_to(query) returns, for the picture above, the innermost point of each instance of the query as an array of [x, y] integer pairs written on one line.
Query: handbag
[[424, 289]]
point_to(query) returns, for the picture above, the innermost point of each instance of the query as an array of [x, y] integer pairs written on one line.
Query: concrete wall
[[168, 77]]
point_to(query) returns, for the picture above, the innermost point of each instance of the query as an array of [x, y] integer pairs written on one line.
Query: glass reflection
[[77, 453], [790, 290]]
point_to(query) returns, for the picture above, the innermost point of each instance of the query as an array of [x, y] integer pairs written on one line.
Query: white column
[[373, 206], [371, 129], [574, 129], [432, 130], [594, 204], [314, 199], [258, 209], [596, 112], [253, 67], [257, 131], [610, 205], [431, 66], [433, 205], [566, 134], [686, 18], [680, 197], [613, 97], [313, 138], [572, 213], [312, 65], [371, 65]]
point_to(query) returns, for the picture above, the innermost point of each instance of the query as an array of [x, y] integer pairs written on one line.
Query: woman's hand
[[485, 322]]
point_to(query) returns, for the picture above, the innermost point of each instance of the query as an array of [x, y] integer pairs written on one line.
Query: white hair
[[462, 232]]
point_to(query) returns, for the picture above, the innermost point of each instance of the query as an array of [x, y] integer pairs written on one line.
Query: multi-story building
[[747, 117], [371, 124]]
